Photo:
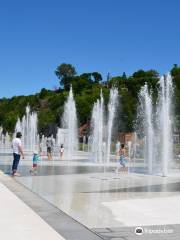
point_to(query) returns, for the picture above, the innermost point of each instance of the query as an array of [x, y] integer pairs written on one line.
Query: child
[[122, 158], [36, 159], [61, 151]]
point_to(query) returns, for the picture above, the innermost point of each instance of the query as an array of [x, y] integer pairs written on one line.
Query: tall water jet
[[69, 122], [112, 105], [147, 111], [83, 143], [61, 136], [28, 127], [157, 126], [97, 125], [165, 121], [102, 126]]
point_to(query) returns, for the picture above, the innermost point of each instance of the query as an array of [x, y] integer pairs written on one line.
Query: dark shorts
[[122, 160], [49, 150], [34, 165]]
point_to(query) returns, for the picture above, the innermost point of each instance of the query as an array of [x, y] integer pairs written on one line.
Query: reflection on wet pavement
[[101, 199]]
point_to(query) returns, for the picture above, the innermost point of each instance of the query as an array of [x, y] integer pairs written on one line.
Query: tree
[[86, 76], [65, 71], [86, 87], [97, 77], [145, 74], [175, 71], [124, 77], [80, 83]]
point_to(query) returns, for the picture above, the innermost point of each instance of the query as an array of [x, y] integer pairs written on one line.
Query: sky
[[112, 36]]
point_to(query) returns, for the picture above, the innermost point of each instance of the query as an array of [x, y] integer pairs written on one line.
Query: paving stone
[[116, 234], [101, 230], [123, 229], [172, 238], [146, 237], [61, 222], [132, 236], [73, 230], [122, 238]]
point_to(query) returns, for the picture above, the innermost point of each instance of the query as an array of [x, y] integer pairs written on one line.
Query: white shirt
[[16, 143], [62, 150]]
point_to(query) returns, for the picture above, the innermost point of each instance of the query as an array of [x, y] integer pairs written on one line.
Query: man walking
[[17, 153], [49, 145]]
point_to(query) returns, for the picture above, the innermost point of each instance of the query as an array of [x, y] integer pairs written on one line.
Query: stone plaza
[[80, 200]]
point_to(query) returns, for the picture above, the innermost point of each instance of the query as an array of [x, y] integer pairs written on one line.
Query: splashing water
[[102, 129], [28, 127], [165, 121], [97, 123], [69, 122], [111, 114], [157, 126], [147, 111]]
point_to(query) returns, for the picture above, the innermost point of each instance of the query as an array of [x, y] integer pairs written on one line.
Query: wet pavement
[[55, 170], [110, 204]]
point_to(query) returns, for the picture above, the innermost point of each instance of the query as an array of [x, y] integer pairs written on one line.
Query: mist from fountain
[[165, 121], [112, 106], [28, 127], [69, 123], [101, 127], [157, 126], [97, 125], [84, 143], [117, 147], [147, 111]]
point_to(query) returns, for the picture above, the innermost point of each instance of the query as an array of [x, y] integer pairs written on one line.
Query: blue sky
[[94, 35]]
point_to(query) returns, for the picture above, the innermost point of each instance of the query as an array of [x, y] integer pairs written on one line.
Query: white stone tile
[[154, 211], [18, 221]]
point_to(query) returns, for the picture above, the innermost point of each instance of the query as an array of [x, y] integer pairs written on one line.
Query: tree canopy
[[86, 88], [65, 72]]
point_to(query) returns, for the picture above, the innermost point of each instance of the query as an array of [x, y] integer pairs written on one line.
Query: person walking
[[49, 145], [17, 153]]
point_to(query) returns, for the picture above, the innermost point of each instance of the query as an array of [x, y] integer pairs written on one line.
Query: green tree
[[175, 71], [97, 77], [65, 72], [145, 74], [124, 77]]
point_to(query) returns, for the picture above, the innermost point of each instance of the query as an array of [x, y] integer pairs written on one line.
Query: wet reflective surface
[[101, 199]]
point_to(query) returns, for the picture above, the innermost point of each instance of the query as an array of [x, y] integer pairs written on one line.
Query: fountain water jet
[[28, 127], [69, 122], [147, 111], [158, 133], [112, 105], [165, 121], [102, 129], [97, 125]]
